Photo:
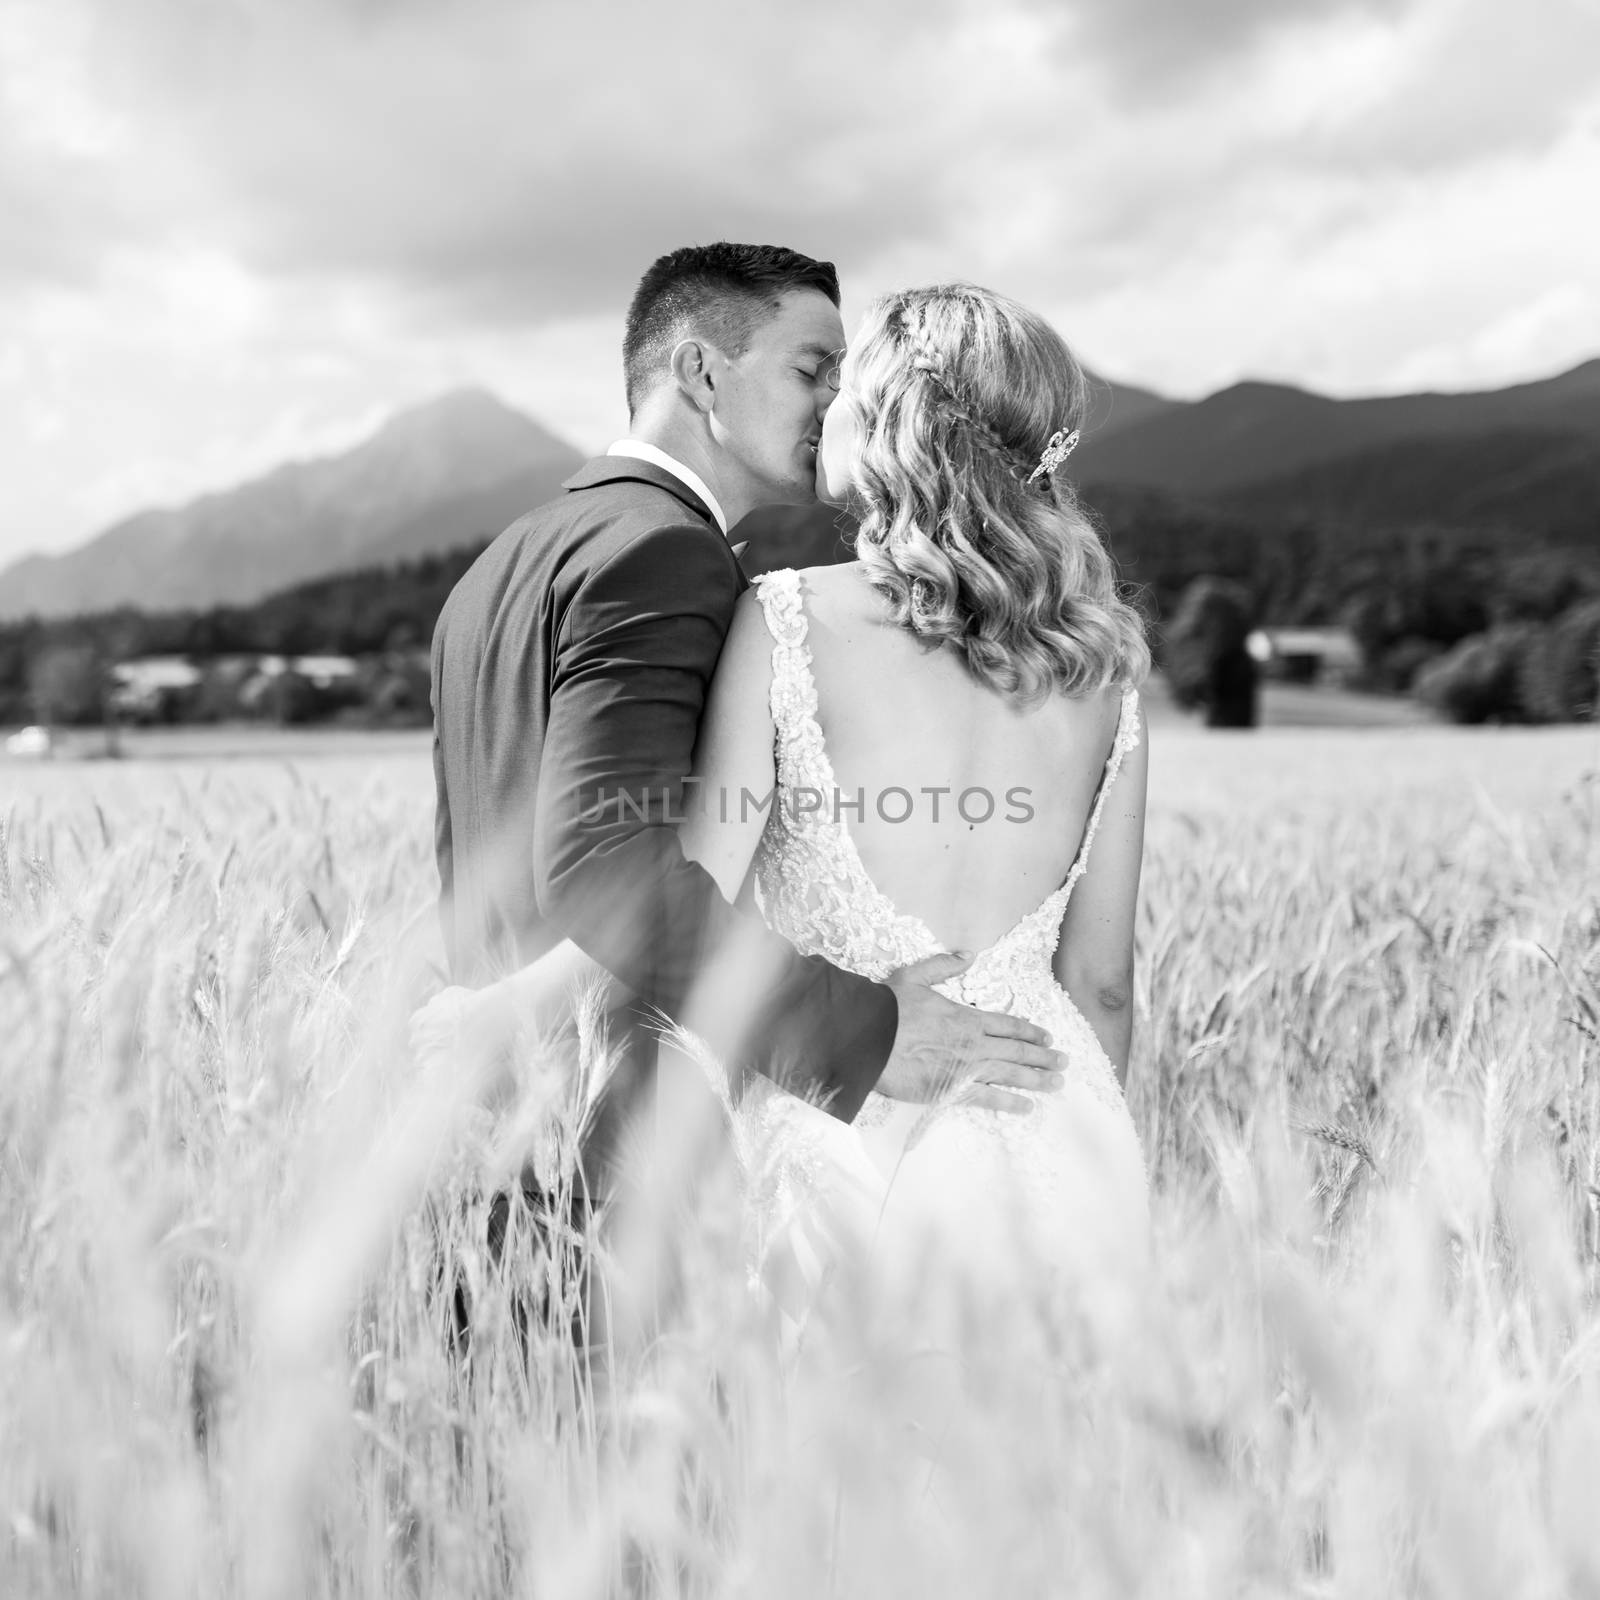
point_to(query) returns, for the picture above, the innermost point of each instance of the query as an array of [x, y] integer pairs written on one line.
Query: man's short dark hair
[[720, 291]]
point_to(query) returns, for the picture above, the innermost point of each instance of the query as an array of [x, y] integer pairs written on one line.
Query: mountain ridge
[[459, 468], [464, 462], [1539, 478], [1253, 430]]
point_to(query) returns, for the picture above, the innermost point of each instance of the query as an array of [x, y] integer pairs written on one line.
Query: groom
[[570, 669]]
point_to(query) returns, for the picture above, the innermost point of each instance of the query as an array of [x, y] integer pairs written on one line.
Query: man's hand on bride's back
[[942, 1047]]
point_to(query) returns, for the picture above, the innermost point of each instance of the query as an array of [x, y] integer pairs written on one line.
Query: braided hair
[[925, 359], [960, 392]]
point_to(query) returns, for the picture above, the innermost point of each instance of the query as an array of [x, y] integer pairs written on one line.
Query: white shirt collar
[[692, 481]]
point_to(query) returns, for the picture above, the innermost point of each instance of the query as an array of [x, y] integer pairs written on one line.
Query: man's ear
[[691, 371]]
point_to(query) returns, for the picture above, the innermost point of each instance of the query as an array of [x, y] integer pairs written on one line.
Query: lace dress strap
[[794, 691], [1125, 739], [779, 593]]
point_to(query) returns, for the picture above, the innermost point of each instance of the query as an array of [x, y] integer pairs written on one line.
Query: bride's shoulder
[[1124, 715], [780, 604], [840, 586], [1117, 702], [821, 591], [830, 576]]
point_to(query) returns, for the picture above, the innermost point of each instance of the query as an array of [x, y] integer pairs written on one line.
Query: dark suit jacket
[[570, 669]]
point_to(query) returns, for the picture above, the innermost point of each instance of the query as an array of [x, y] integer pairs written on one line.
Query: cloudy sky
[[235, 231]]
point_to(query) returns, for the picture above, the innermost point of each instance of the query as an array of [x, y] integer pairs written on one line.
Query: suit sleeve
[[633, 661], [443, 837]]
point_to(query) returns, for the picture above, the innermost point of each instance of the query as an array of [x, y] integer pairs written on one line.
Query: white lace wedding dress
[[1062, 1190]]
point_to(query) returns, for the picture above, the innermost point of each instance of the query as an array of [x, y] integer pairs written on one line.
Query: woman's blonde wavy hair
[[958, 391]]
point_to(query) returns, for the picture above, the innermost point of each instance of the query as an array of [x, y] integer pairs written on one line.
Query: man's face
[[770, 401]]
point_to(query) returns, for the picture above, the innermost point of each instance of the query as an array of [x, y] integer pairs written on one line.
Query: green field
[[1367, 1361]]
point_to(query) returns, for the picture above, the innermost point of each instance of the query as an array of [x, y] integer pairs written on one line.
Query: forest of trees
[[59, 670], [1493, 623]]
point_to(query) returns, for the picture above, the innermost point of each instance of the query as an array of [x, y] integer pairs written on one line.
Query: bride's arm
[[735, 771], [1094, 961], [471, 1030], [541, 995]]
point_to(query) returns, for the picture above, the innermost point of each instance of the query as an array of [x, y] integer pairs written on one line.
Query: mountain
[[1116, 407], [1255, 431], [815, 536], [453, 471], [459, 469], [1516, 478]]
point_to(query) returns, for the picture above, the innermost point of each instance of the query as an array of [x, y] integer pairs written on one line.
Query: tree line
[[1483, 623], [1491, 623], [58, 670]]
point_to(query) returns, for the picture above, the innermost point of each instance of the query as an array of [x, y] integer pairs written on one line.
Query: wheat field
[[1365, 1361]]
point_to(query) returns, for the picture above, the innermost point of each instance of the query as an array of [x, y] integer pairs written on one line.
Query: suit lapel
[[630, 469]]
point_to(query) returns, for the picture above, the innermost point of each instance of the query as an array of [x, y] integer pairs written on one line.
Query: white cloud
[[1528, 338], [1401, 293], [233, 232], [1160, 48]]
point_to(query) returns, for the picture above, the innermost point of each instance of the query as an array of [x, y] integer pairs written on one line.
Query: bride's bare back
[[972, 808], [902, 728]]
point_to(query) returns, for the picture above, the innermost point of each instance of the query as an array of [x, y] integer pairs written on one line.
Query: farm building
[[1306, 655], [151, 687]]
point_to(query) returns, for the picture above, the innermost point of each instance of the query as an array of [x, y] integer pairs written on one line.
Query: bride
[[948, 728]]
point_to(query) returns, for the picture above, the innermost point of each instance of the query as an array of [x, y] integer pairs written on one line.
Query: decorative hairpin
[[1061, 446]]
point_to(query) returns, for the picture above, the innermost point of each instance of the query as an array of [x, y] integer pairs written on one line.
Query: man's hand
[[942, 1047]]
